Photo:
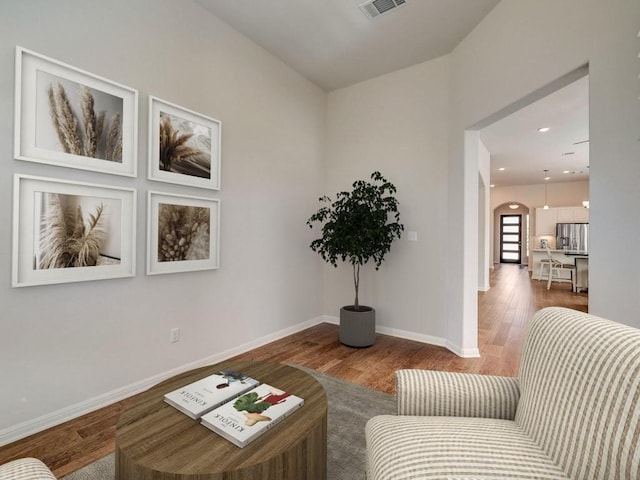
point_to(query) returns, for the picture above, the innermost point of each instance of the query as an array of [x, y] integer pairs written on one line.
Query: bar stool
[[542, 271], [556, 267]]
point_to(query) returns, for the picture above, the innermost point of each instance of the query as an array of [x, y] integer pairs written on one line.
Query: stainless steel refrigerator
[[572, 236]]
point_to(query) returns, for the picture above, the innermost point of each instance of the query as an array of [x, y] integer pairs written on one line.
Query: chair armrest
[[25, 469], [433, 393]]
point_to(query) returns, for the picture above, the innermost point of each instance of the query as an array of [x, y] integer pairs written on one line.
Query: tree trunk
[[356, 281]]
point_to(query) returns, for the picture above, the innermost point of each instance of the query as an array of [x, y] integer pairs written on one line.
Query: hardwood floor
[[503, 312]]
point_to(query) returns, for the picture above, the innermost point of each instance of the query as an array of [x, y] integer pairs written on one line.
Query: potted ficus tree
[[358, 226]]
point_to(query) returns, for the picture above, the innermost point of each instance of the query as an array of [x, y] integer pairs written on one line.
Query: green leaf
[[248, 403], [359, 225]]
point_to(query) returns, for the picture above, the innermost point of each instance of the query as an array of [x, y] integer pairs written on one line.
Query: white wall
[[62, 345], [70, 343], [519, 48], [396, 124], [560, 194], [484, 211]]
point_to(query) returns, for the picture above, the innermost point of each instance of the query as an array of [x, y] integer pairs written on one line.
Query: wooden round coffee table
[[156, 441]]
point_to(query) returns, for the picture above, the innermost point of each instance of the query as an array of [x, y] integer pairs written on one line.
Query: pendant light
[[546, 177]]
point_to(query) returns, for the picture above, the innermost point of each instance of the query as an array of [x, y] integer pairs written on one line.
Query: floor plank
[[503, 313]]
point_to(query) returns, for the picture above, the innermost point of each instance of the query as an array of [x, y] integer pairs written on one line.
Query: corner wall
[[519, 48], [62, 345], [397, 124], [484, 213]]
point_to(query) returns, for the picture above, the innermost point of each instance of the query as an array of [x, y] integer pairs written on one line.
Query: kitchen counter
[[581, 253], [579, 258]]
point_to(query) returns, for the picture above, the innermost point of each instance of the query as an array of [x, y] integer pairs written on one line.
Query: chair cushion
[[410, 447], [580, 393], [431, 393], [25, 469]]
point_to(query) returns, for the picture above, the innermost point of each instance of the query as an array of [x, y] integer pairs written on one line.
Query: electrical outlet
[[174, 335]]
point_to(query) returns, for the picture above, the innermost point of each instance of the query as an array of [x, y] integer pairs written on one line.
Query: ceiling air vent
[[375, 8]]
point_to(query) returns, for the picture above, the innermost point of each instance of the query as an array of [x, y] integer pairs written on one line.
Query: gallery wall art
[[66, 231], [184, 146], [68, 117], [70, 232], [182, 233]]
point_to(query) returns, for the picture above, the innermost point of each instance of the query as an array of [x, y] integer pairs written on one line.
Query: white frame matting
[[156, 266], [27, 214], [36, 137], [193, 119]]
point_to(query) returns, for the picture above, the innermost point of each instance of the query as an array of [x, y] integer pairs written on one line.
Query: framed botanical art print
[[70, 232], [183, 233], [71, 118], [184, 146]]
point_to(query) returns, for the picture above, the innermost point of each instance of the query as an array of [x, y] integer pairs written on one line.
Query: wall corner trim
[[418, 337], [463, 352]]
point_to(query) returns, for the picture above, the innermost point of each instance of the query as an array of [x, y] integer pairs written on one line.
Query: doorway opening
[[474, 162]]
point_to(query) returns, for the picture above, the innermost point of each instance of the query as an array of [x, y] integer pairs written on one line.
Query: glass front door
[[510, 238]]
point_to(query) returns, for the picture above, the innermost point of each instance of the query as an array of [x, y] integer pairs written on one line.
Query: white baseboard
[[332, 319], [463, 352], [418, 337], [52, 419], [394, 332]]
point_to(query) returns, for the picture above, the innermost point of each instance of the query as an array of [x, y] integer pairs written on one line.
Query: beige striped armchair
[[573, 412], [25, 469]]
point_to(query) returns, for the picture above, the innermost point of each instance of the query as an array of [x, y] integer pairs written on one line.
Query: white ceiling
[[334, 44], [516, 145]]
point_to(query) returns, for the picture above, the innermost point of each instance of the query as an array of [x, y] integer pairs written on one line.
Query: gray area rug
[[350, 406]]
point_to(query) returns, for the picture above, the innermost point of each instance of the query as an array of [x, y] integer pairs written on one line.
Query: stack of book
[[233, 405], [202, 396]]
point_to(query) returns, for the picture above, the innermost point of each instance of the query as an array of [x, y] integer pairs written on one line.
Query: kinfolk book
[[202, 396], [247, 417]]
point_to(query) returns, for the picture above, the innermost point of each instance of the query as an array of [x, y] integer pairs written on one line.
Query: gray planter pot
[[357, 328]]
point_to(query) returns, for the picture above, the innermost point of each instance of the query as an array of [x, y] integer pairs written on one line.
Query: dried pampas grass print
[[65, 240], [114, 139], [90, 122], [173, 147], [64, 120], [183, 233], [84, 138]]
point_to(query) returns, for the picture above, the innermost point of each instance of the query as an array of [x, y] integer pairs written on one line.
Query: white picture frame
[[51, 95], [199, 162], [183, 233], [103, 221]]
